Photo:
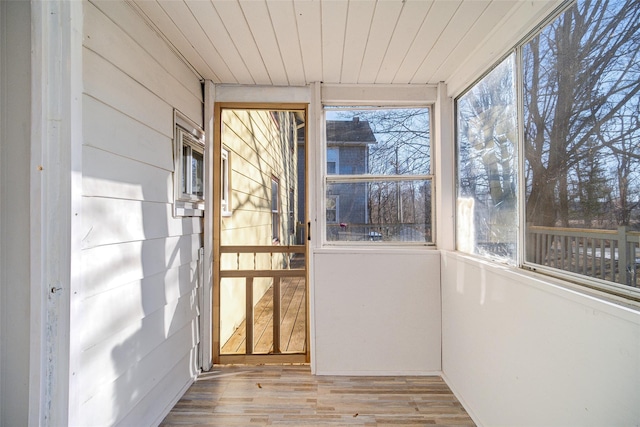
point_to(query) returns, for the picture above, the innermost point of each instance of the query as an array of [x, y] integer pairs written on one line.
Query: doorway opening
[[260, 234]]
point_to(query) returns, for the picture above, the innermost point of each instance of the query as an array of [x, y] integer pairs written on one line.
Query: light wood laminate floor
[[290, 395]]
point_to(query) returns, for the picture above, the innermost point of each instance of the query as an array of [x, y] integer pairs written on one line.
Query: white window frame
[[186, 134], [583, 283], [337, 178], [225, 182]]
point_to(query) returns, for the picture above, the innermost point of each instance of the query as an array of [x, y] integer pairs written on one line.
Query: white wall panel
[[521, 351], [377, 312]]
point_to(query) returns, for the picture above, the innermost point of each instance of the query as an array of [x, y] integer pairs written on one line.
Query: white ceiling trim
[[378, 95]]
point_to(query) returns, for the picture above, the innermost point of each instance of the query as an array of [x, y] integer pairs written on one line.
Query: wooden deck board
[[293, 321], [290, 395]]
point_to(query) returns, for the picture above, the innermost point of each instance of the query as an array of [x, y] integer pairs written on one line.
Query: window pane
[[224, 172], [186, 155], [487, 217], [582, 137], [378, 141], [380, 211], [197, 174], [332, 208]]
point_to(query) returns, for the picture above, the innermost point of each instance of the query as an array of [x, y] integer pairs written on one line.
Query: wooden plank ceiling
[[295, 42]]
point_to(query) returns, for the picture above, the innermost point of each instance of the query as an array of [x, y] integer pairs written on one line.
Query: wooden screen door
[[260, 241]]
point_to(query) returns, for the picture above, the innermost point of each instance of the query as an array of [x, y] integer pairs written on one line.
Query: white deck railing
[[612, 255]]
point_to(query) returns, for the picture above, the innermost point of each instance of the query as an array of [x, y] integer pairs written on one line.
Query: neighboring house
[[348, 144]]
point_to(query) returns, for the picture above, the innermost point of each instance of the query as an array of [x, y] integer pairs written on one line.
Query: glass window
[[275, 210], [332, 209], [333, 161], [579, 92], [190, 167], [378, 179], [581, 78], [487, 215], [225, 171]]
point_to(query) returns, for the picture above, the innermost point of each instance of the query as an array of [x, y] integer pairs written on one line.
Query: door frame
[[215, 180]]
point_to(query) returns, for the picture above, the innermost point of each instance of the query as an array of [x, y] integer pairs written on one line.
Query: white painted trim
[[263, 94], [374, 95], [314, 159], [56, 175], [395, 373], [180, 119], [444, 162], [206, 317]]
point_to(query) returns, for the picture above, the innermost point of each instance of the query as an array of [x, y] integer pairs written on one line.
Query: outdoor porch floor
[[292, 326], [290, 395]]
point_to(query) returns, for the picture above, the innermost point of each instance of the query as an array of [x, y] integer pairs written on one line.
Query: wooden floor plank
[[293, 321], [290, 395]]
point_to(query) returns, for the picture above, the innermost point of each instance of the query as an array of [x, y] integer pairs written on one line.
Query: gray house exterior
[[348, 144]]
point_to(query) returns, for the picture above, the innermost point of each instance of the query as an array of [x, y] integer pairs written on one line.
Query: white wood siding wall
[[138, 315]]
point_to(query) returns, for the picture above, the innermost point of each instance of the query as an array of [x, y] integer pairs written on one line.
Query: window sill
[[370, 249], [551, 283], [184, 209]]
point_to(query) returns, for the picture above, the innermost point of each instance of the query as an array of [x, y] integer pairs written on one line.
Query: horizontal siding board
[[111, 130], [101, 34], [110, 357], [131, 23], [110, 266], [115, 400], [105, 82], [131, 220], [158, 400], [111, 175]]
